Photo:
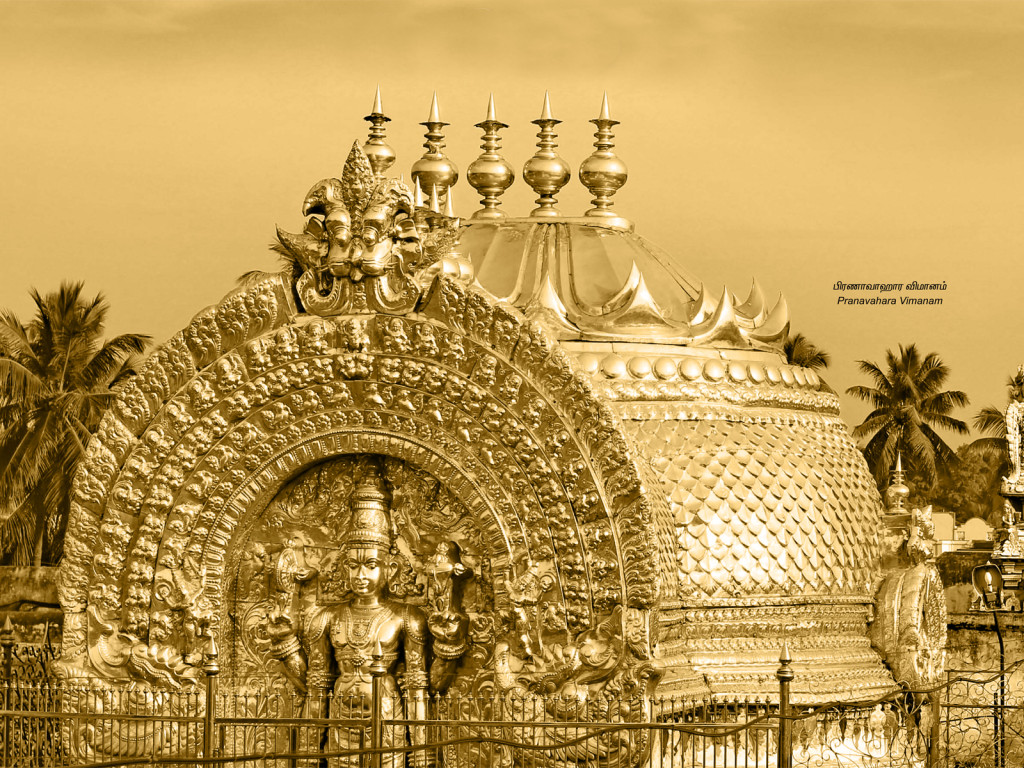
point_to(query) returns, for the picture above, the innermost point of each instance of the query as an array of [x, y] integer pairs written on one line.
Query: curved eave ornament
[[636, 316], [549, 269]]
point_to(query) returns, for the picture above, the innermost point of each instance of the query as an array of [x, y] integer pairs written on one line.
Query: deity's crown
[[370, 524]]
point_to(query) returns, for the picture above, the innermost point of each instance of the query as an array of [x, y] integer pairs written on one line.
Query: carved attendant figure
[[1013, 425], [369, 621]]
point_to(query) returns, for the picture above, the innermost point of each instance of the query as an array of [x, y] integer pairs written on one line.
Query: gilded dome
[[773, 510]]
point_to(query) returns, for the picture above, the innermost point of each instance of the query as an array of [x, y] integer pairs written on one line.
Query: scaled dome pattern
[[774, 513], [774, 510]]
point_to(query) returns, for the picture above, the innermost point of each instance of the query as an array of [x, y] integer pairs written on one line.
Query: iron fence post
[[935, 700], [377, 671], [210, 668], [7, 644], [7, 648], [999, 731], [785, 676], [5, 753]]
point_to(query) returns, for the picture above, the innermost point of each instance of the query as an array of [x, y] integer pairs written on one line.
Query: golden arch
[[253, 391]]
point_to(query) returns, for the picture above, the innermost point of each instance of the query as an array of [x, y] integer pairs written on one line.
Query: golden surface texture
[[464, 389], [764, 506], [776, 525]]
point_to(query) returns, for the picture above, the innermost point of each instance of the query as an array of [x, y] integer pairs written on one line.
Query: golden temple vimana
[[499, 488]]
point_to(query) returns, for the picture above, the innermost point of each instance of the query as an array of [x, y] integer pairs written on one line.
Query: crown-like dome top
[[599, 280]]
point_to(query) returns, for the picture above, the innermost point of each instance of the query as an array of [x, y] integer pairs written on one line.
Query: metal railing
[[983, 726], [53, 724]]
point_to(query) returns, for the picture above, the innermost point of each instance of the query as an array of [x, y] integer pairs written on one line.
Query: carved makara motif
[[363, 243], [910, 622]]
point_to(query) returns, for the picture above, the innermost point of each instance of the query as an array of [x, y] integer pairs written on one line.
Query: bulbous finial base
[[603, 173], [490, 174], [435, 172], [380, 155], [546, 172], [377, 150]]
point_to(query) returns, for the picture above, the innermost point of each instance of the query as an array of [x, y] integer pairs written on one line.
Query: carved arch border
[[194, 427]]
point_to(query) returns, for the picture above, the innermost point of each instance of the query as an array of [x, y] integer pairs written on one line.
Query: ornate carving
[[1014, 483], [491, 442], [363, 243], [910, 623], [577, 681]]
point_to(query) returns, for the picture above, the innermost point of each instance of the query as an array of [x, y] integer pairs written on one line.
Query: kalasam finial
[[897, 493], [546, 172], [603, 173], [379, 152], [435, 170], [490, 174]]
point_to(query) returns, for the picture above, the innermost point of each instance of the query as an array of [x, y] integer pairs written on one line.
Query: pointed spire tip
[[490, 109], [605, 112], [435, 113], [545, 113], [377, 109]]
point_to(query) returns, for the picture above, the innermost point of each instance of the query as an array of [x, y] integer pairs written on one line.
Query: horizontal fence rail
[[58, 724]]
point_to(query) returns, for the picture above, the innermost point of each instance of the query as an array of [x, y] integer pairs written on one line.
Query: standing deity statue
[[1013, 435], [344, 638], [1014, 413]]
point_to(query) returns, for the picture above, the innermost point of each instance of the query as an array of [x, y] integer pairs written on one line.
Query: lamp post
[[988, 580]]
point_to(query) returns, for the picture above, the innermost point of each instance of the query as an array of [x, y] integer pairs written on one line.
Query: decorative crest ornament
[[366, 239], [357, 180]]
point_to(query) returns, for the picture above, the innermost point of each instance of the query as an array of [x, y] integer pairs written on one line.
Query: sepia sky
[[150, 148]]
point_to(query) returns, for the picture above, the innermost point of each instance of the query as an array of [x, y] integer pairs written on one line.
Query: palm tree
[[803, 352], [991, 421], [56, 375], [294, 252], [908, 403], [799, 350]]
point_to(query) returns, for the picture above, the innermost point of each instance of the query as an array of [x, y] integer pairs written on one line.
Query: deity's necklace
[[363, 624]]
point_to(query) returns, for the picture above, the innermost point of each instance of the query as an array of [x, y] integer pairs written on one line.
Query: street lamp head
[[988, 581]]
